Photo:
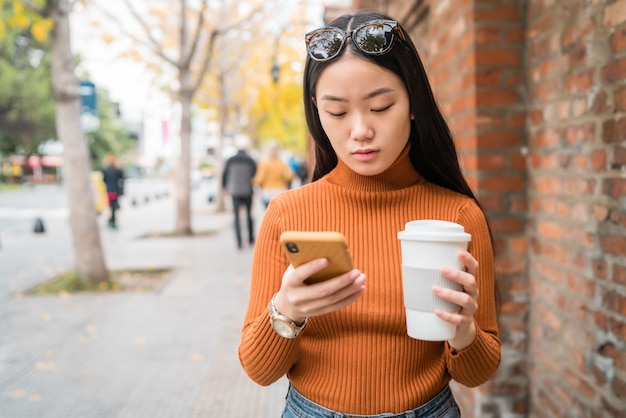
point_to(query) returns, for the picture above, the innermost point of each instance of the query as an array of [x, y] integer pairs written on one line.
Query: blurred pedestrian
[[237, 181], [273, 176], [113, 178]]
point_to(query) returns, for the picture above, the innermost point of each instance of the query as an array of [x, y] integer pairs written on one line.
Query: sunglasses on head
[[375, 37]]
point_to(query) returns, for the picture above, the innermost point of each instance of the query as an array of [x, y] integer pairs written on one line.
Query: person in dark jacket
[[237, 181], [113, 177]]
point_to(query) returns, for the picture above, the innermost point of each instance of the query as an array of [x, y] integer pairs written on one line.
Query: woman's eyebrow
[[369, 95], [378, 92]]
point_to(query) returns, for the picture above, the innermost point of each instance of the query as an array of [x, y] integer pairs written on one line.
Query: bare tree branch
[[43, 11], [208, 51], [152, 45], [187, 56]]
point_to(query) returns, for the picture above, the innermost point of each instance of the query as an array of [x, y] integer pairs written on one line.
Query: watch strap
[[275, 316]]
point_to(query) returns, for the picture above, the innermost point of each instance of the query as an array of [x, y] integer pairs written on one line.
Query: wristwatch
[[284, 326]]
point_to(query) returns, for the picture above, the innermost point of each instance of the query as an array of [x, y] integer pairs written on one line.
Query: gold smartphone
[[304, 246]]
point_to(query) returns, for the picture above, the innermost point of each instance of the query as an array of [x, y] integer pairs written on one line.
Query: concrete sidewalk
[[171, 352]]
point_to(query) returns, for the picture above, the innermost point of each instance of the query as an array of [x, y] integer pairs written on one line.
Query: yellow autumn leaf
[[197, 357], [90, 329], [46, 317], [20, 21], [41, 29], [107, 39], [17, 393], [45, 365], [35, 398]]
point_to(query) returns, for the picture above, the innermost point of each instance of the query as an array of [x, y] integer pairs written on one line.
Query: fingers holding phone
[[316, 258]]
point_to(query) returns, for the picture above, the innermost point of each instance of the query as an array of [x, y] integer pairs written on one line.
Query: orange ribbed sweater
[[359, 360]]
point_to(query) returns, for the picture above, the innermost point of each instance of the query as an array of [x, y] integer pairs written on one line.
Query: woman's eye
[[336, 115], [382, 109]]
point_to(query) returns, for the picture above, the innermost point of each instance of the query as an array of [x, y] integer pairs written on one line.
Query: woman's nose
[[361, 129]]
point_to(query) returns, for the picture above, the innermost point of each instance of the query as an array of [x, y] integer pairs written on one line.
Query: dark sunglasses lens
[[374, 38], [325, 44]]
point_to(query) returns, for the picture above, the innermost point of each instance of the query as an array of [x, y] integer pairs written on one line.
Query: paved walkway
[[165, 353]]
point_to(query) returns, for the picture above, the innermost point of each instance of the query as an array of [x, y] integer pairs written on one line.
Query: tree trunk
[[183, 191], [88, 254]]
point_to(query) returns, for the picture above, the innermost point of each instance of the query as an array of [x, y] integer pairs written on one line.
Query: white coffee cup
[[427, 247]]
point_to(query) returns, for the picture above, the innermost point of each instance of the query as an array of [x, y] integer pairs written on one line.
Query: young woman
[[273, 175], [384, 156]]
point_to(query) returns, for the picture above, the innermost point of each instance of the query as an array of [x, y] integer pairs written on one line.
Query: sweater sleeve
[[477, 363], [264, 355]]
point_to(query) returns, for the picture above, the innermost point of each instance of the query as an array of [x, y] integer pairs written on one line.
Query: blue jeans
[[442, 405]]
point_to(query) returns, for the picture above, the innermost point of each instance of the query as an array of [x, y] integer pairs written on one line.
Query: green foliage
[[26, 103]]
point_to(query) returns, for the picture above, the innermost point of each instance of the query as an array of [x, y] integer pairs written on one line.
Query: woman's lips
[[365, 155]]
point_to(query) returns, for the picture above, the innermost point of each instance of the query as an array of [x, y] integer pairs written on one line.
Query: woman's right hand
[[297, 300]]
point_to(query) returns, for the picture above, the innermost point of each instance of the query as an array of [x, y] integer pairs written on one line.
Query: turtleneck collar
[[399, 175]]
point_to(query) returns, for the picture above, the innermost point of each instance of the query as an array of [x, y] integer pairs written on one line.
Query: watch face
[[283, 328]]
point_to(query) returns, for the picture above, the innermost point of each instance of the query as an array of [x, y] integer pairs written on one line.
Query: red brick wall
[[535, 92], [475, 55], [577, 207]]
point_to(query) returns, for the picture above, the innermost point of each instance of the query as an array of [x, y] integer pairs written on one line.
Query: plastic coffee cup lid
[[434, 230]]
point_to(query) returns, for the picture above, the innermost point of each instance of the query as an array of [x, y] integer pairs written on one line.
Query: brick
[[618, 40], [549, 318], [489, 77], [614, 130], [578, 57], [581, 133], [615, 302], [494, 98], [614, 187], [599, 160], [515, 35], [511, 264], [620, 99], [600, 103], [505, 57], [550, 230], [507, 225], [579, 82], [503, 183], [580, 285], [576, 33], [613, 244], [498, 14], [619, 158], [488, 35], [547, 137], [600, 212], [619, 274], [545, 90], [615, 13], [547, 185], [492, 203], [492, 162], [499, 140], [614, 71], [518, 204], [599, 268]]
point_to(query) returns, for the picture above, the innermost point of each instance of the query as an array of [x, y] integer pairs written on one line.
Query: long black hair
[[433, 152]]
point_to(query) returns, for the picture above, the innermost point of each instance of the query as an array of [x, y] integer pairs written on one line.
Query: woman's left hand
[[466, 298]]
